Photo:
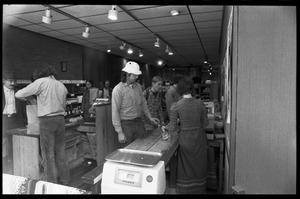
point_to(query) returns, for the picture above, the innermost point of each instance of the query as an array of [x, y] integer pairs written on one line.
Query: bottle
[[166, 135]]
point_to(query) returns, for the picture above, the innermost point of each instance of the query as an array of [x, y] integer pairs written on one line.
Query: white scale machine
[[133, 172]]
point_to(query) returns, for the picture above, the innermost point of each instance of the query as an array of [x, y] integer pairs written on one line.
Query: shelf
[[73, 115]]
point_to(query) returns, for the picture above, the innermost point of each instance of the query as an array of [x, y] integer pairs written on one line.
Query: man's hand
[[154, 120], [122, 137]]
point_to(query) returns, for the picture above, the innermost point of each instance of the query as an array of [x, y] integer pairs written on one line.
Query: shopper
[[89, 97], [51, 104], [129, 105], [192, 153], [13, 116], [172, 95], [153, 96], [107, 90]]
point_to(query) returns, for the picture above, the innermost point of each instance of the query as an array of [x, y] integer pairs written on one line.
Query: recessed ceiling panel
[[184, 26], [167, 20]]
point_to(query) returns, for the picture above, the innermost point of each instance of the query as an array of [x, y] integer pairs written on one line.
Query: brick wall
[[23, 51]]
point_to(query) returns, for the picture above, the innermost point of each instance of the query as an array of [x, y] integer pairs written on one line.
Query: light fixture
[[170, 52], [86, 32], [205, 60], [108, 50], [129, 51], [156, 44], [159, 62], [167, 49], [122, 47], [47, 18], [174, 12], [113, 13], [140, 53]]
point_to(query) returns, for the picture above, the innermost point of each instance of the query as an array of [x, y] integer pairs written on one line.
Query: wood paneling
[[266, 99]]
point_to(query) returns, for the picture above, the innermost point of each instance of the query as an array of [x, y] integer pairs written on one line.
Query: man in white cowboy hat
[[128, 106]]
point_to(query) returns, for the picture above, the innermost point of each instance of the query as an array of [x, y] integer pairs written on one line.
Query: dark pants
[[133, 129], [52, 133]]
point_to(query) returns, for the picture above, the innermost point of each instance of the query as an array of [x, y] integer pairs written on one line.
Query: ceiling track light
[[167, 49], [140, 53], [113, 13], [174, 12], [157, 44], [47, 18], [129, 51], [122, 47], [86, 32]]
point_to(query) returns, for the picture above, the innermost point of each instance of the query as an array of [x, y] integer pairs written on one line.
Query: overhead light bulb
[[86, 32], [140, 53], [174, 12], [47, 18], [108, 50], [129, 51], [156, 44], [170, 52], [122, 47], [113, 13], [160, 62]]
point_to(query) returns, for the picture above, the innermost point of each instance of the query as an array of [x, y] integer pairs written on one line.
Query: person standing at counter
[[129, 105], [51, 104], [13, 114], [192, 153], [89, 97], [107, 90], [153, 97], [172, 95]]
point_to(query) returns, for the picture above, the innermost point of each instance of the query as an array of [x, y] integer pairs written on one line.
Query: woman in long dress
[[192, 154]]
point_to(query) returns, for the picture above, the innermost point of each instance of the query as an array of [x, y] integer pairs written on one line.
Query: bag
[[33, 121]]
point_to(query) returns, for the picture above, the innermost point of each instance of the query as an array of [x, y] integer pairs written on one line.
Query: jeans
[[133, 129], [52, 133]]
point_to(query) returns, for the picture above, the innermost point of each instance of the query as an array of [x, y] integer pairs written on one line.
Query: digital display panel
[[127, 177]]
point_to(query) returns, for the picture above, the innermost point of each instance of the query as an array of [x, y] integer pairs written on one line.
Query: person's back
[[190, 113], [52, 96]]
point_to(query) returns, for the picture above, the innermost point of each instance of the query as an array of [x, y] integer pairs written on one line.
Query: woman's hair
[[90, 81], [156, 79], [185, 86]]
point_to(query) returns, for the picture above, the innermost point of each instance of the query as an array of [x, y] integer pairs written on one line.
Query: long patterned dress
[[192, 153]]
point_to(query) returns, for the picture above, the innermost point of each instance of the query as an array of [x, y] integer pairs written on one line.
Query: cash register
[[129, 171]]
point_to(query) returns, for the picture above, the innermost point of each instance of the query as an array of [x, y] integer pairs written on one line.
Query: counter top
[[23, 130], [155, 143]]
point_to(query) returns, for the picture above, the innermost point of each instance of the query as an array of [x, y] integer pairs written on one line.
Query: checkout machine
[[129, 171]]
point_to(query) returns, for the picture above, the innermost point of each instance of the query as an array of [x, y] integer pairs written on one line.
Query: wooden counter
[[26, 151]]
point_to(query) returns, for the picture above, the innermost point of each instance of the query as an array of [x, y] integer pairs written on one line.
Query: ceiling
[[192, 35]]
